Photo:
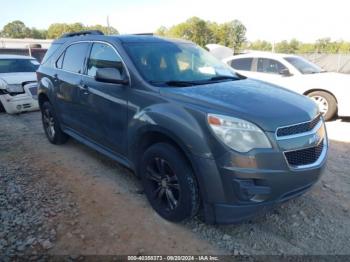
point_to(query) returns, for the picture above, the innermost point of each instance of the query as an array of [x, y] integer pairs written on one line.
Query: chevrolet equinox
[[201, 137]]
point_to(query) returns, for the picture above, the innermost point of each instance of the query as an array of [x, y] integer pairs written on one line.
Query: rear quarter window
[[53, 48]]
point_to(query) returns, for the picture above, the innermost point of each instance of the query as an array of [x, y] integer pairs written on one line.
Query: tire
[[162, 169], [2, 109], [328, 101], [51, 125]]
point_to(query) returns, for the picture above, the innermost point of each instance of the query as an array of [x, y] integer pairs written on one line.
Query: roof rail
[[143, 34], [82, 33]]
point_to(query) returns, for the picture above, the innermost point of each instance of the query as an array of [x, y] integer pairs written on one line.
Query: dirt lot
[[71, 200]]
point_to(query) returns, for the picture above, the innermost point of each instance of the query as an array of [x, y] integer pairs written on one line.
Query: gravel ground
[[71, 200]]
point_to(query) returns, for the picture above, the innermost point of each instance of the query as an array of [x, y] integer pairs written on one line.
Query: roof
[[147, 39], [15, 57], [263, 55], [124, 38]]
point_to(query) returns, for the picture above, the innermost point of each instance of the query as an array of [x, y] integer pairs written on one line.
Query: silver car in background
[[18, 83]]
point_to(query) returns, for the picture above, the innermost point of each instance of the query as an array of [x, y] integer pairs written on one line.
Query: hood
[[264, 104], [18, 78]]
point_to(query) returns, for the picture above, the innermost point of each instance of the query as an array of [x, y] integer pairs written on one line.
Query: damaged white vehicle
[[18, 86]]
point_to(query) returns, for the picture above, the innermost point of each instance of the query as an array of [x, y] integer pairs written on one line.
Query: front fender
[[181, 125]]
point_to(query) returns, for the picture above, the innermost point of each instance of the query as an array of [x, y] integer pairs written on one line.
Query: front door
[[105, 103]]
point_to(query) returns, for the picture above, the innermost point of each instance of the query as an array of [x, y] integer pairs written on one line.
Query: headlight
[[238, 134], [15, 88], [2, 84]]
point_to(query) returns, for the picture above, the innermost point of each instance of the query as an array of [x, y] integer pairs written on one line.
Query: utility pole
[[108, 26]]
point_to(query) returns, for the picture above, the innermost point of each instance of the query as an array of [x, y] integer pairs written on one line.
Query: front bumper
[[241, 193], [22, 102], [237, 186], [19, 103]]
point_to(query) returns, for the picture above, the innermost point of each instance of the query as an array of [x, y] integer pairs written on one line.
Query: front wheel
[[169, 182], [51, 125], [326, 103], [2, 109]]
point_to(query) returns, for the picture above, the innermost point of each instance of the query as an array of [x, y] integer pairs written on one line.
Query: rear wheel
[[326, 103], [51, 125], [169, 182]]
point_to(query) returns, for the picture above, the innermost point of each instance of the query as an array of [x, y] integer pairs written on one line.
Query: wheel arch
[[42, 97], [151, 136], [306, 93]]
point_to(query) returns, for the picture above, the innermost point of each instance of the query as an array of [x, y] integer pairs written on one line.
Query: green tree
[[194, 29], [306, 48], [16, 29], [286, 47], [322, 44], [38, 34], [104, 29], [56, 30], [236, 34], [344, 47], [231, 34], [162, 31], [261, 45]]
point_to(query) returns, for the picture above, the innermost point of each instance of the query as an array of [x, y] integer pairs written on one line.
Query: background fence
[[331, 62]]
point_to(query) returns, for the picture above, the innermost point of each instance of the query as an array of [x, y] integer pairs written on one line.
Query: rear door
[[67, 81], [105, 104], [269, 70]]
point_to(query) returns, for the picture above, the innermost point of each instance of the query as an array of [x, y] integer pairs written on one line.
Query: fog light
[[247, 190], [19, 107]]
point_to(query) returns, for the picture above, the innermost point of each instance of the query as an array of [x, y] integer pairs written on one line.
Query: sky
[[272, 20]]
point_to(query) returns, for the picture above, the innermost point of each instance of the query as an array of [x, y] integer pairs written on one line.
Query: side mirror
[[285, 72], [110, 75]]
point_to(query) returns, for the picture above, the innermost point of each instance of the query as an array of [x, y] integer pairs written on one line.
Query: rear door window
[[244, 64], [270, 66], [74, 57]]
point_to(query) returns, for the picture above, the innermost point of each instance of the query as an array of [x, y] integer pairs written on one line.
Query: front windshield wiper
[[179, 83], [223, 77], [176, 83]]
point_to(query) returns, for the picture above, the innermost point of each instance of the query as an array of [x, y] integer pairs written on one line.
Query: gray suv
[[200, 137]]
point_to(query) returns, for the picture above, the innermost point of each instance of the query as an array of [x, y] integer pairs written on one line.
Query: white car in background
[[18, 86], [331, 91]]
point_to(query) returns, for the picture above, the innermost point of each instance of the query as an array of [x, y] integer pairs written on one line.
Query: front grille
[[298, 128], [26, 106], [304, 156]]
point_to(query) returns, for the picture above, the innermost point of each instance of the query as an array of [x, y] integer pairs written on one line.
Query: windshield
[[304, 66], [18, 65], [173, 63]]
